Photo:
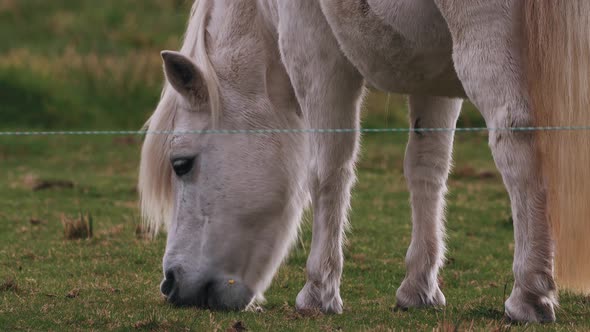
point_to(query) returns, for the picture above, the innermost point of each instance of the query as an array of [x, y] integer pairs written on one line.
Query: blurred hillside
[[87, 64]]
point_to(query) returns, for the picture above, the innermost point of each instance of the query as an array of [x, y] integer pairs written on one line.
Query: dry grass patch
[[141, 67], [74, 293], [7, 5], [143, 232]]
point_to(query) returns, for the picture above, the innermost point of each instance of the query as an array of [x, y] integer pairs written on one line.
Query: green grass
[[117, 274], [80, 64]]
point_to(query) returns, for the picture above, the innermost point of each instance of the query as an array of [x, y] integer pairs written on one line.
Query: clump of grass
[[77, 228], [36, 221], [9, 285], [237, 327], [73, 293], [53, 184], [143, 231]]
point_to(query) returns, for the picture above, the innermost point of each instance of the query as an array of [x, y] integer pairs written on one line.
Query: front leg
[[492, 74], [328, 88], [426, 167]]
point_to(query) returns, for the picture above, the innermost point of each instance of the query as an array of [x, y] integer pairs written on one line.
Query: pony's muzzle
[[224, 294]]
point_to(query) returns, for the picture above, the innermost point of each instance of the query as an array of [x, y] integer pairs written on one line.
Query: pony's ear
[[184, 76]]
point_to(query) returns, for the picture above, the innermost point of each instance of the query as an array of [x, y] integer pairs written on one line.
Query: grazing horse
[[232, 204]]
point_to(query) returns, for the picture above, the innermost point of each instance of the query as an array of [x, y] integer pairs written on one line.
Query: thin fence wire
[[286, 131]]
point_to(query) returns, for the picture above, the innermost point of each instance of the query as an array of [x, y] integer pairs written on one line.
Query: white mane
[[155, 173]]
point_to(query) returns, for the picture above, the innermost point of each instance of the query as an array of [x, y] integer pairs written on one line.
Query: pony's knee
[[427, 167], [430, 177], [510, 139], [334, 179]]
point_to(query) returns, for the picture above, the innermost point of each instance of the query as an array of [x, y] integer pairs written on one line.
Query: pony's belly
[[401, 46]]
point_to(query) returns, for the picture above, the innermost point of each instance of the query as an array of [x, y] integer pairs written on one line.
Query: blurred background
[[87, 64]]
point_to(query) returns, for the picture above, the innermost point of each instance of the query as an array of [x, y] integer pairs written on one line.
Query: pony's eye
[[183, 166]]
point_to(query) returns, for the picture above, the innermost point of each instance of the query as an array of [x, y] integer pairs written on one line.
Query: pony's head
[[230, 202]]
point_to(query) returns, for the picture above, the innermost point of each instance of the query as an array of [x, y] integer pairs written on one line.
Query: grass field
[[68, 64]]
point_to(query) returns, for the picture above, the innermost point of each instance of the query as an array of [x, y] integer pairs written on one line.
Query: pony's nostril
[[170, 275], [169, 285]]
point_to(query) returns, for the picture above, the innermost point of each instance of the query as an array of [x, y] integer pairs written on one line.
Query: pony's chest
[[400, 46]]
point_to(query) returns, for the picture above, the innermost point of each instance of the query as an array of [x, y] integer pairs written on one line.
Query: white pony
[[232, 203]]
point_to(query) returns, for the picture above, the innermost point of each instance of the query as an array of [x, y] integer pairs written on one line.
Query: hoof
[[310, 299], [529, 308], [410, 295]]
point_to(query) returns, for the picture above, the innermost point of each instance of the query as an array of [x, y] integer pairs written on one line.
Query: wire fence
[[286, 131]]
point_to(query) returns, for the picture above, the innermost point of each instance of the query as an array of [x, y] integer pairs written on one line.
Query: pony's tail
[[557, 60]]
